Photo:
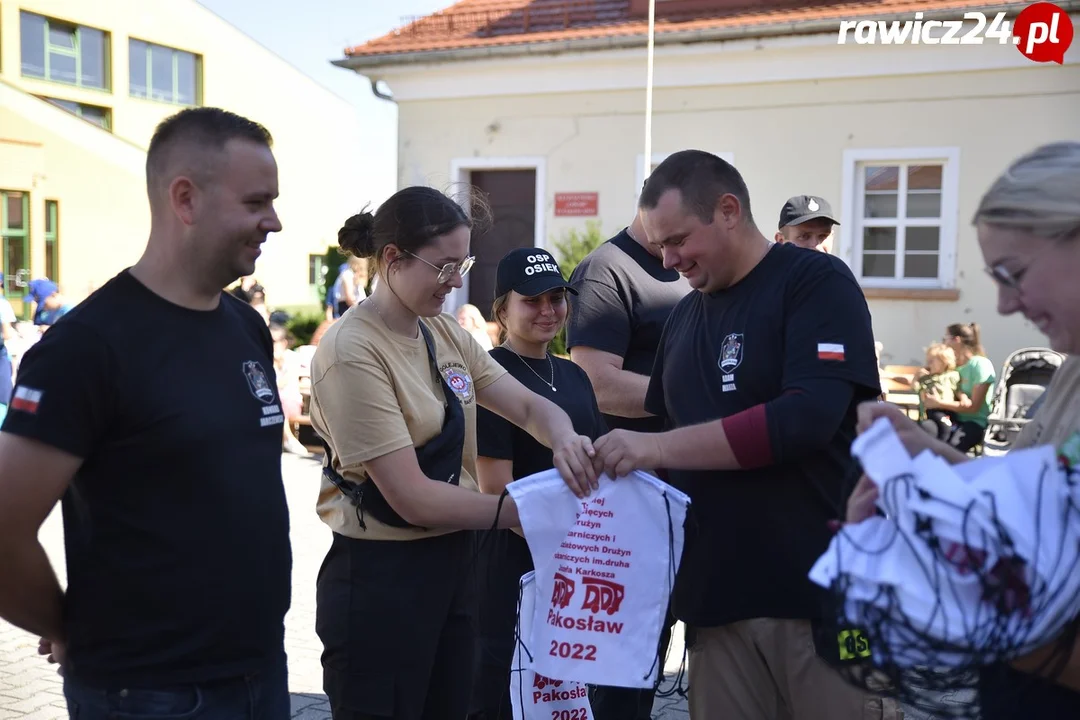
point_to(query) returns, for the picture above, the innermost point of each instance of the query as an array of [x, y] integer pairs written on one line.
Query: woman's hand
[[861, 504], [573, 457]]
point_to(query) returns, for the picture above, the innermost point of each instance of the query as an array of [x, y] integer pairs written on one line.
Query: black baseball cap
[[802, 208], [529, 272]]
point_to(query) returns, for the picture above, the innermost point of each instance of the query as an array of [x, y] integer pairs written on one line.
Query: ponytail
[[969, 335]]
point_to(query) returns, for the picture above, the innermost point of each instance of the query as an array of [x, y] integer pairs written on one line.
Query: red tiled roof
[[489, 23]]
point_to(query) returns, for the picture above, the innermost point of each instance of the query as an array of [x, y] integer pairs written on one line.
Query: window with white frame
[[898, 227], [656, 159]]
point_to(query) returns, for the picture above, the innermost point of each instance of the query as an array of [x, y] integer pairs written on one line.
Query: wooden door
[[512, 196]]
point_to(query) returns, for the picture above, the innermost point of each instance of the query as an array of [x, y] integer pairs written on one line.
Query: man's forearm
[[697, 447], [30, 596], [621, 392]]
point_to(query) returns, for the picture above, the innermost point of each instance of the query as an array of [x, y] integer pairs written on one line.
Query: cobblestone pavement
[[30, 689]]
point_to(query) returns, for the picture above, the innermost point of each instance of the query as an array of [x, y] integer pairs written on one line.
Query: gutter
[[362, 63]]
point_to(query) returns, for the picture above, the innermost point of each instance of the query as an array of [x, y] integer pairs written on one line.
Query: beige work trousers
[[768, 669]]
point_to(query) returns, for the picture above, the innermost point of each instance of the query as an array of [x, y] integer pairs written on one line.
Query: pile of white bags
[[973, 564]]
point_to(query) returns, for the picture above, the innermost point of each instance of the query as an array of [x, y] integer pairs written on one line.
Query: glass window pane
[[920, 266], [71, 107], [882, 178], [15, 218], [137, 68], [161, 73], [92, 51], [924, 239], [924, 204], [884, 205], [62, 68], [32, 39], [186, 78], [50, 212], [879, 266], [97, 115], [61, 35], [879, 239], [16, 256], [50, 260], [924, 177]]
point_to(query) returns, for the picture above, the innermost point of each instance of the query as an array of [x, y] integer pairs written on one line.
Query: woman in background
[[470, 318], [977, 376]]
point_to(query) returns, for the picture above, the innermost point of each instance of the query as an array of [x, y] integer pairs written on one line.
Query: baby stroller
[[1019, 390]]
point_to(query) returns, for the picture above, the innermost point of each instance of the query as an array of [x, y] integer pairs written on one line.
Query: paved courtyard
[[30, 689]]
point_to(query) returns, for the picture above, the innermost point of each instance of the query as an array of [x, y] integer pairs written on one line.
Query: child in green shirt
[[941, 379]]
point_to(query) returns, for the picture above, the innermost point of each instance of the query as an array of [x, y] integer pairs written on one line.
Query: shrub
[[303, 325]]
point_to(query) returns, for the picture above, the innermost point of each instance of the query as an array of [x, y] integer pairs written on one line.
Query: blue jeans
[[256, 697]]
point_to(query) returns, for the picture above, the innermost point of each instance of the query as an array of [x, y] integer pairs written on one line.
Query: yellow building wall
[[788, 138], [316, 140]]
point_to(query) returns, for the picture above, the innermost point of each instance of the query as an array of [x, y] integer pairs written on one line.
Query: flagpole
[[647, 170]]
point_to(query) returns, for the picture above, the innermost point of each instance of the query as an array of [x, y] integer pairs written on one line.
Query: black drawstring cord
[[677, 687]]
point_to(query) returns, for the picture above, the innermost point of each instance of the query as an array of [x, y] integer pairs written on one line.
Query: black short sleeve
[[655, 402], [599, 315], [494, 435], [62, 393], [828, 330]]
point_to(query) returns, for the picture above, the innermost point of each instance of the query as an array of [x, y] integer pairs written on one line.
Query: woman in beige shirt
[[394, 390], [1029, 232]]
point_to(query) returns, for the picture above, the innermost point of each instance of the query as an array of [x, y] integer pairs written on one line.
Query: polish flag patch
[[26, 400], [830, 351]]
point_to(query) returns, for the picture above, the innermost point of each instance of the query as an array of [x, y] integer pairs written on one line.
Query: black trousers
[[504, 558], [397, 623]]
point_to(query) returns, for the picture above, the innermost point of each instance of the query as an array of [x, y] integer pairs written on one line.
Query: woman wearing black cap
[[530, 309], [395, 386]]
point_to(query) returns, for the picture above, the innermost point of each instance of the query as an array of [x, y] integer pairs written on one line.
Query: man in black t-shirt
[[151, 410], [625, 295], [760, 372]]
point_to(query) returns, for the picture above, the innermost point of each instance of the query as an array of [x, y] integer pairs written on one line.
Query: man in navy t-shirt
[[151, 410], [759, 372]]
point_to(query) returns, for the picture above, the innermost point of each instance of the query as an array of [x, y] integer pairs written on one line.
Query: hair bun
[[357, 235]]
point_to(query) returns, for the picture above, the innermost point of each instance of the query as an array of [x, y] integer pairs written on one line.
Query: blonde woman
[[530, 309], [470, 318], [1029, 232]]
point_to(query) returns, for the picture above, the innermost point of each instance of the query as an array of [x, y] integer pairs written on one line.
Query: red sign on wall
[[577, 204]]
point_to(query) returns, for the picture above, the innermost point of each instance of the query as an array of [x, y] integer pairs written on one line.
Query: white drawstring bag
[[605, 568], [536, 697]]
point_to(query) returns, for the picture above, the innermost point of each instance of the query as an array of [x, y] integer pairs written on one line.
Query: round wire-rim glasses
[[447, 271]]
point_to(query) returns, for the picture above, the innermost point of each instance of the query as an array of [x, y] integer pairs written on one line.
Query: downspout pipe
[[379, 93]]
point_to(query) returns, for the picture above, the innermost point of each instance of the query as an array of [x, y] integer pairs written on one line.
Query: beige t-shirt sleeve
[[356, 399]]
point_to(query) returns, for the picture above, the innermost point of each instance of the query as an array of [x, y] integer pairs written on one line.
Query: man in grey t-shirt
[[625, 295]]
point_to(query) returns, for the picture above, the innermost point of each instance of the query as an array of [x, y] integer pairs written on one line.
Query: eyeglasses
[[447, 271], [1004, 276]]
